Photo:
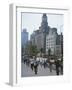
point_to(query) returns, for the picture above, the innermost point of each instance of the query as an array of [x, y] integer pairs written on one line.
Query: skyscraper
[[24, 37]]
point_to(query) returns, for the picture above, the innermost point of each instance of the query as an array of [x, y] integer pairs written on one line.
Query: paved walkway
[[26, 71]]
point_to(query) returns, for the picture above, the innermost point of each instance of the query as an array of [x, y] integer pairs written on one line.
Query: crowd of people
[[34, 64]]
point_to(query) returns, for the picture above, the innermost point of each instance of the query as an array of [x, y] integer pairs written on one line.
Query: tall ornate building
[[44, 24], [46, 38], [39, 36]]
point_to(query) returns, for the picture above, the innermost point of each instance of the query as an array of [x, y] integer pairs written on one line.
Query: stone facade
[[51, 40], [54, 42], [38, 37], [47, 38]]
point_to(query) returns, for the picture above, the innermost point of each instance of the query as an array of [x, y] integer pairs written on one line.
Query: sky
[[32, 21]]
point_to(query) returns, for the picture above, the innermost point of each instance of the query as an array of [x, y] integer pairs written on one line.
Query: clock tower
[[44, 23]]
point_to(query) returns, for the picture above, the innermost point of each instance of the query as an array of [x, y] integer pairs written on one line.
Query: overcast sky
[[32, 21]]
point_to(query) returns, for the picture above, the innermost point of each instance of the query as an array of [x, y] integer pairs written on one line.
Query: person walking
[[35, 68], [57, 67], [32, 65], [50, 66]]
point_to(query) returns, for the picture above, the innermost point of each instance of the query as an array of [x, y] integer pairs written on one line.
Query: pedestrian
[[50, 66], [32, 65], [57, 67], [61, 69], [36, 68]]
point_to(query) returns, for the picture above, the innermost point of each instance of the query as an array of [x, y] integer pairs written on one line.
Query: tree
[[33, 50], [22, 50], [42, 51]]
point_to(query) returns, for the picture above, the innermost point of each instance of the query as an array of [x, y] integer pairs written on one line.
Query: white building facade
[[51, 40]]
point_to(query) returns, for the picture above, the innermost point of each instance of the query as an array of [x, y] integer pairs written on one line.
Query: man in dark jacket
[[57, 66]]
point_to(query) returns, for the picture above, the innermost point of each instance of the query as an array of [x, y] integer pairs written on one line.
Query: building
[[39, 36], [39, 39], [51, 40], [24, 37], [54, 42], [59, 46], [46, 38]]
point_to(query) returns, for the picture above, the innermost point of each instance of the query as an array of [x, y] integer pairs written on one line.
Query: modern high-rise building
[[24, 37]]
